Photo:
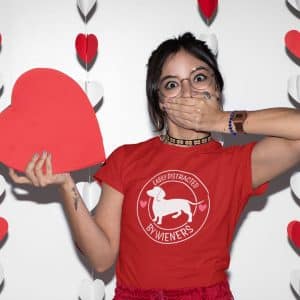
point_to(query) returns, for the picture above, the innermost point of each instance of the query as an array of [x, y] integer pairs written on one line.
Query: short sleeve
[[111, 171], [246, 172]]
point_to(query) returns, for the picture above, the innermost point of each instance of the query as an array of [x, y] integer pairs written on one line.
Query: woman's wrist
[[221, 125], [68, 184]]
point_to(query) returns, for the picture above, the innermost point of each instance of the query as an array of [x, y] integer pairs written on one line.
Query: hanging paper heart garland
[[292, 42], [293, 231], [2, 185], [1, 274], [295, 281], [49, 111], [294, 87], [94, 91], [91, 289], [3, 228], [295, 184], [295, 4], [90, 193], [86, 6], [211, 42], [208, 7], [86, 47], [1, 83]]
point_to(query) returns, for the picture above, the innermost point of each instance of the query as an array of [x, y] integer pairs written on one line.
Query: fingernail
[[44, 153]]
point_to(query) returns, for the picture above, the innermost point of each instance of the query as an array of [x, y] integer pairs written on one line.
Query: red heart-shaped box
[[50, 111], [292, 42], [293, 230], [208, 7], [86, 47]]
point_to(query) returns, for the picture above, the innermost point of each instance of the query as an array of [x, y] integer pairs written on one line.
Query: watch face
[[238, 116]]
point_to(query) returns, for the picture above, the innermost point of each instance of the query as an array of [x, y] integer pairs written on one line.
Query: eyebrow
[[193, 70]]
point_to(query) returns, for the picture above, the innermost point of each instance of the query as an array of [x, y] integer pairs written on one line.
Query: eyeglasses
[[171, 86]]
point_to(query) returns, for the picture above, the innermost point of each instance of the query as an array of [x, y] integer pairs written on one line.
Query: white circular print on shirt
[[173, 206]]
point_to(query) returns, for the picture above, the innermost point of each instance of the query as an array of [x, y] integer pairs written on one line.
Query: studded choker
[[182, 142]]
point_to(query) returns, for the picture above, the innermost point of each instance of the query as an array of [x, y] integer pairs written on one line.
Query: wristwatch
[[238, 120]]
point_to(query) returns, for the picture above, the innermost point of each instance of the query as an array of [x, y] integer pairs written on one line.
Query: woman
[[169, 205]]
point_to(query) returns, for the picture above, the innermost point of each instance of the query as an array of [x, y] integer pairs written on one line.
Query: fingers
[[29, 171], [18, 179], [38, 170], [35, 169], [49, 165]]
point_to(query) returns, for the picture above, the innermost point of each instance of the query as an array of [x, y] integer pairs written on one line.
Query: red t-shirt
[[180, 209]]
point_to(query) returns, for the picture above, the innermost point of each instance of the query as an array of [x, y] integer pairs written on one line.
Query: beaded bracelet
[[230, 123]]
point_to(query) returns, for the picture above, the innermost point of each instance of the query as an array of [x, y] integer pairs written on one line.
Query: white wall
[[38, 256]]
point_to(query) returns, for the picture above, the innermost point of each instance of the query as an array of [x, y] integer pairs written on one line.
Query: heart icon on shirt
[[143, 203], [49, 111], [202, 207]]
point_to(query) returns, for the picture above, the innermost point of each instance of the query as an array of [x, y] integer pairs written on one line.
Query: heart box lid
[[50, 112]]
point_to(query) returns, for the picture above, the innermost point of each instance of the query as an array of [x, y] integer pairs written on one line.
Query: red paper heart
[[292, 42], [3, 228], [293, 230], [49, 111], [86, 47], [208, 7], [0, 39]]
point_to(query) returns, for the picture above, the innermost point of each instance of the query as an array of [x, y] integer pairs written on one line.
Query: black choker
[[171, 140]]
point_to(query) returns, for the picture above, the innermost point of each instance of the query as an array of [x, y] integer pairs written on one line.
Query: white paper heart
[[94, 91], [90, 193], [295, 184], [2, 185], [294, 87], [1, 82], [294, 3], [1, 274], [85, 6], [295, 281], [91, 289], [20, 191], [210, 40]]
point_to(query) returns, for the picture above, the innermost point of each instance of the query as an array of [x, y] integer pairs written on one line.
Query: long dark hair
[[189, 43]]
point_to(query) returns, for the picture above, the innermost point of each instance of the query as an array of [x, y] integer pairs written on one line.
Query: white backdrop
[[39, 259]]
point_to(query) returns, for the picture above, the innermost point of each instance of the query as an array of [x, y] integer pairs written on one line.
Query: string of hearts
[[292, 44], [3, 222], [87, 50], [3, 225], [208, 9], [1, 82]]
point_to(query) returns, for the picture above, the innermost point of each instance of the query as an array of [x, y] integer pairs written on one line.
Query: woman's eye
[[171, 85], [200, 77]]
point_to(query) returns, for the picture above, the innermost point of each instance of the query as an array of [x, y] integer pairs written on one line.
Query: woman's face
[[183, 75]]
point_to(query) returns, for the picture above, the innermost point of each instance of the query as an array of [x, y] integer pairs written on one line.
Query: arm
[[279, 151], [98, 236], [273, 155]]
